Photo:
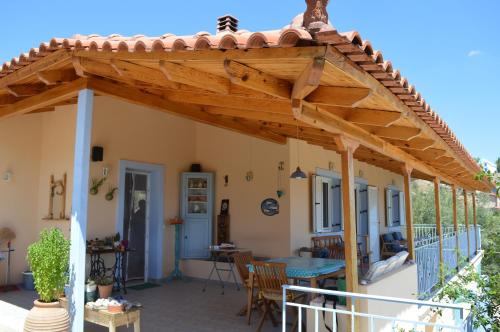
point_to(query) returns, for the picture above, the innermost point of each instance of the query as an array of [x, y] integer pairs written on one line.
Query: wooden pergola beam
[[44, 99], [394, 132], [408, 211], [192, 112], [250, 78], [466, 218], [455, 222], [439, 227]]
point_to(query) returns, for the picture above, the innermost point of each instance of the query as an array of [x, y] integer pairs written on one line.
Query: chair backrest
[[270, 276], [241, 260], [327, 241], [397, 236]]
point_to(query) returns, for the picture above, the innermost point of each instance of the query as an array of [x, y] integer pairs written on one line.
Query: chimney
[[316, 15], [227, 23]]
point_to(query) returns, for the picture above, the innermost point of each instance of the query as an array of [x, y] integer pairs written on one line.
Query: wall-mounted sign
[[270, 207]]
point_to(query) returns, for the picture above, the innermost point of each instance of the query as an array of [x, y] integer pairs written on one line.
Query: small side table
[[176, 274], [108, 319]]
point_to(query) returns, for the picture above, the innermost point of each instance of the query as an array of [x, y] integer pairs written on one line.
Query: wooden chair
[[271, 277], [388, 247], [241, 260]]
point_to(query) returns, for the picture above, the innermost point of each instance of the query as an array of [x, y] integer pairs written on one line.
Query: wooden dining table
[[304, 268]]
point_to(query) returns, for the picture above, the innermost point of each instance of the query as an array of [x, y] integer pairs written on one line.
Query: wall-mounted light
[[331, 166], [106, 170], [7, 176]]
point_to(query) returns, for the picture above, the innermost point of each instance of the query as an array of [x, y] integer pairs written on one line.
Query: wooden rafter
[[44, 99], [189, 76], [46, 63], [136, 72], [252, 115], [7, 99], [257, 80]]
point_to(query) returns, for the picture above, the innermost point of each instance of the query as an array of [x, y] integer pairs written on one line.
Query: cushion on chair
[[388, 238], [397, 236]]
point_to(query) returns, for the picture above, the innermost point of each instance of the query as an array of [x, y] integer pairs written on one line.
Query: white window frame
[[318, 221], [390, 193]]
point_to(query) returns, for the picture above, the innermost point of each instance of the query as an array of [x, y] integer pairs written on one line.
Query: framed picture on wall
[[224, 207]]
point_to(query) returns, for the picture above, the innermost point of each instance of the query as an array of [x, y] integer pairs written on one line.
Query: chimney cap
[[227, 23], [316, 15]]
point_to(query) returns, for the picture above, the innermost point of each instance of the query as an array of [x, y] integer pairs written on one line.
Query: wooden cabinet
[[197, 204]]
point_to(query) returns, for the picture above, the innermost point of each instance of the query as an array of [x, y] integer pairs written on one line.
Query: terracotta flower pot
[[47, 317], [105, 291]]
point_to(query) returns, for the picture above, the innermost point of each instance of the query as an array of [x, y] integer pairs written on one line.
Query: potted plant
[[49, 261], [105, 287]]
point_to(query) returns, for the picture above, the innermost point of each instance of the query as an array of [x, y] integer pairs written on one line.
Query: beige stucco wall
[[401, 283], [20, 154], [313, 157], [229, 153]]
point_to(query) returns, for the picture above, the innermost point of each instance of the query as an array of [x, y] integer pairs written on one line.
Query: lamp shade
[[298, 174]]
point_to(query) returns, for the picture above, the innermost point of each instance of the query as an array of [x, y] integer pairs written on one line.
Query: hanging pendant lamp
[[298, 173]]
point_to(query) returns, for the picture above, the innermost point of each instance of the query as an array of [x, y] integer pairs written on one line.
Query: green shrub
[[49, 261]]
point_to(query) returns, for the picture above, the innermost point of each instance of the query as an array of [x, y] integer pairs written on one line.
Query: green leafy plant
[[104, 281], [49, 261], [481, 292]]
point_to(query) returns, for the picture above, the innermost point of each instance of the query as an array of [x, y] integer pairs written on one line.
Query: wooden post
[[439, 228], [347, 148], [79, 212], [408, 211], [455, 223], [466, 215], [474, 218]]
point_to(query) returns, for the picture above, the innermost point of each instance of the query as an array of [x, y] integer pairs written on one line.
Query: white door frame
[[155, 213]]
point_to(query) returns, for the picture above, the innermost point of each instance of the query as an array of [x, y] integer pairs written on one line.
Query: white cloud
[[474, 53]]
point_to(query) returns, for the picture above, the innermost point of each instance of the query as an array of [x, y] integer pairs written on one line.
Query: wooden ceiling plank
[[189, 76], [338, 96], [42, 110], [394, 132], [257, 80], [253, 115], [417, 143], [192, 112], [309, 80], [53, 77], [44, 99]]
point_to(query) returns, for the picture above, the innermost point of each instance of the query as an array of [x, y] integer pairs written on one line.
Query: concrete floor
[[179, 306]]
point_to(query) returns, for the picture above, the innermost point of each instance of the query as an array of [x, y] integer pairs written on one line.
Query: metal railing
[[458, 316], [427, 253]]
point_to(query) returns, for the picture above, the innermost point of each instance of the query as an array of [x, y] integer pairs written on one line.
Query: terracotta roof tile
[[349, 43]]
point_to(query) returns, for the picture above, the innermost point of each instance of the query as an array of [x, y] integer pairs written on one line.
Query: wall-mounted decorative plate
[[270, 207]]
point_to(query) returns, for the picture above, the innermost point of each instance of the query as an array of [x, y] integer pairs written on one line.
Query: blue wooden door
[[197, 213]]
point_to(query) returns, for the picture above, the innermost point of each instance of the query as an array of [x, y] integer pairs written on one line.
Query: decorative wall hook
[[95, 185], [249, 176], [111, 193]]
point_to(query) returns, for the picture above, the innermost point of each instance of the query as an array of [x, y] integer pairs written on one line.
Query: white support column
[[79, 208]]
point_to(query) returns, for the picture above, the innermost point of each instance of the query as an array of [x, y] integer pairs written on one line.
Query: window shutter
[[388, 207], [317, 202], [402, 208]]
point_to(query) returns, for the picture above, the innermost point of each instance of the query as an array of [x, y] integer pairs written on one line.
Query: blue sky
[[448, 49]]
